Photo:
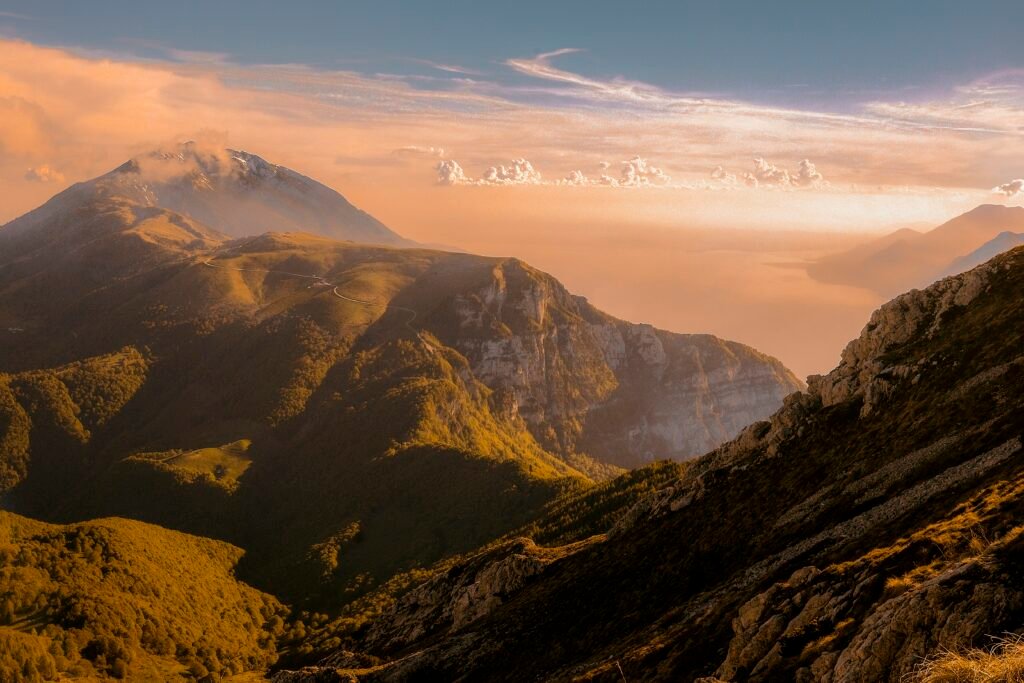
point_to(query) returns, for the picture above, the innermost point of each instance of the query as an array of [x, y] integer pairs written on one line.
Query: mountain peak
[[234, 192], [991, 209], [194, 160]]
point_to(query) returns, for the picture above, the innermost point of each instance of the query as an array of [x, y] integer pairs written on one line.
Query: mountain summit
[[234, 192]]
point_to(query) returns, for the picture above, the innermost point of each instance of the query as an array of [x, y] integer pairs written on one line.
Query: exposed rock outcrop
[[460, 596], [620, 392]]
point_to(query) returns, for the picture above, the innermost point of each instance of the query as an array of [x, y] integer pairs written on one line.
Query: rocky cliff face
[[872, 523], [585, 382]]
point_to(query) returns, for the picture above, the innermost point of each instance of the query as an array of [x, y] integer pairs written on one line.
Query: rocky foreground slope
[[872, 524]]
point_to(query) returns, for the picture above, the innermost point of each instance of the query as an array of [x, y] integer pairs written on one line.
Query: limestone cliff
[[585, 382]]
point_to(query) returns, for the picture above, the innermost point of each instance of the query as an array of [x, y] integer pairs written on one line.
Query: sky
[[567, 133]]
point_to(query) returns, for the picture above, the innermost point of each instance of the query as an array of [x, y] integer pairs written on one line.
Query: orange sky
[[633, 242]]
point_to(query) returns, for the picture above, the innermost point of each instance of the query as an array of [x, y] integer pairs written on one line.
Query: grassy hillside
[[126, 600]]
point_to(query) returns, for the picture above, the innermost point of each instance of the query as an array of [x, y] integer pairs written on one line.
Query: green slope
[[129, 600]]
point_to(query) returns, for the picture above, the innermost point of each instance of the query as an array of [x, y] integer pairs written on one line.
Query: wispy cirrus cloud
[[618, 89], [448, 68]]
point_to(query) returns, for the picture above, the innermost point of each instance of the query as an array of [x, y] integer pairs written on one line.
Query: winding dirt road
[[319, 280]]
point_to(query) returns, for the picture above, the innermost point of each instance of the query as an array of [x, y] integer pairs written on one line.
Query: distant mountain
[[233, 192], [1004, 241], [907, 259], [868, 532], [339, 411]]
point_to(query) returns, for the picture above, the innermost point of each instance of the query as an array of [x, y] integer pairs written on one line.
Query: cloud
[[807, 175], [992, 104], [767, 174], [206, 151], [1010, 189], [621, 90], [44, 173], [450, 173], [25, 128], [416, 150], [636, 172], [576, 178], [520, 172], [448, 68], [724, 177]]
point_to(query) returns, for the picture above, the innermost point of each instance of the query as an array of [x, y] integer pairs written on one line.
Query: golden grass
[[970, 531], [1002, 663], [224, 464]]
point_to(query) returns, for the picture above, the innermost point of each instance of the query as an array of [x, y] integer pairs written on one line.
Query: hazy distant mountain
[[236, 193], [340, 411], [1004, 241], [870, 531], [908, 259]]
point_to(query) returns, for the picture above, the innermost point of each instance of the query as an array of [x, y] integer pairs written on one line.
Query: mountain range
[[340, 411], [908, 259]]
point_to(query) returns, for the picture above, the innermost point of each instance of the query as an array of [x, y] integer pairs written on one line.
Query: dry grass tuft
[[1002, 663]]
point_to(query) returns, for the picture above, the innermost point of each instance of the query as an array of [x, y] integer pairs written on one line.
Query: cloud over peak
[[44, 173]]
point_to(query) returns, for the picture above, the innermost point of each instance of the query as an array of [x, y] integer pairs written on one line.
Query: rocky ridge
[[620, 392]]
